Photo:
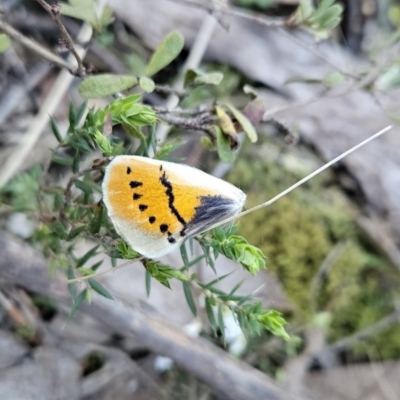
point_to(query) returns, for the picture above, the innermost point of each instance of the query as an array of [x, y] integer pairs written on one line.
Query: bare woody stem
[[54, 11], [35, 46]]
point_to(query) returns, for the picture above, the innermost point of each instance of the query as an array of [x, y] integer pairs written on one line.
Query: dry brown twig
[[36, 47], [54, 11], [271, 22]]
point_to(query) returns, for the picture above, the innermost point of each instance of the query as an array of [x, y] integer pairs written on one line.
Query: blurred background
[[331, 247]]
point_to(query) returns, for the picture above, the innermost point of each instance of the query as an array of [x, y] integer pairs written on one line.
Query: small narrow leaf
[[184, 255], [226, 123], [92, 252], [75, 163], [54, 129], [97, 220], [97, 287], [189, 297], [147, 84], [76, 231], [221, 322], [77, 302], [83, 186], [225, 152], [211, 78], [210, 314], [165, 53], [97, 86], [80, 112], [333, 79], [71, 286], [59, 229], [247, 126], [148, 283], [5, 42], [62, 160]]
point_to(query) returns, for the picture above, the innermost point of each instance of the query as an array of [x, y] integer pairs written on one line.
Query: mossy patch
[[298, 232]]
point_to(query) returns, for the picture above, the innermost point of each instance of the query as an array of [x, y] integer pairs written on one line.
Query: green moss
[[297, 233], [295, 245]]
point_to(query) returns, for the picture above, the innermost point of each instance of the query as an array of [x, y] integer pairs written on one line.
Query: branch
[[237, 12], [54, 11], [22, 266], [36, 47]]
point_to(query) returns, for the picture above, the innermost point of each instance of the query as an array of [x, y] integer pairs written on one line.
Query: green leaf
[[95, 266], [91, 253], [71, 115], [83, 9], [236, 287], [207, 143], [189, 297], [77, 302], [54, 129], [333, 79], [97, 287], [59, 230], [210, 78], [221, 322], [76, 231], [184, 255], [72, 285], [272, 321], [127, 252], [193, 262], [147, 84], [247, 126], [148, 283], [87, 189], [225, 152], [5, 42], [196, 77], [97, 86], [62, 160], [95, 225], [210, 314], [166, 149], [80, 112], [166, 52], [106, 18], [75, 162]]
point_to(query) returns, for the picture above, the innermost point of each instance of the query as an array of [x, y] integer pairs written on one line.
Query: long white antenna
[[307, 178]]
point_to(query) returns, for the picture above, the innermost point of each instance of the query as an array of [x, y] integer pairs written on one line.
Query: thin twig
[[272, 22], [169, 90], [36, 47], [106, 271], [202, 122], [193, 111], [302, 181], [54, 11]]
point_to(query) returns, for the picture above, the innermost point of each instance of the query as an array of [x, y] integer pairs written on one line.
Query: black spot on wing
[[143, 207], [171, 239], [152, 219], [135, 184], [137, 196], [128, 170], [163, 228]]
